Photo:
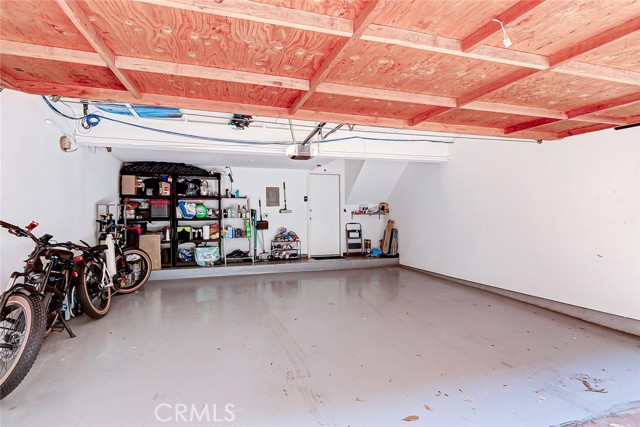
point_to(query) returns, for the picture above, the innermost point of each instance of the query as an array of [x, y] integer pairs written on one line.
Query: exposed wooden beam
[[475, 94], [599, 72], [232, 107], [425, 115], [514, 109], [554, 61], [633, 120], [528, 125], [211, 73], [7, 81], [76, 15], [51, 53], [605, 105], [264, 13], [491, 27], [384, 94], [585, 129], [372, 9], [433, 43], [294, 18], [597, 118], [594, 42]]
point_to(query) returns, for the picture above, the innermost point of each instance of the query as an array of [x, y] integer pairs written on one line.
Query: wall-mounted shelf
[[379, 214]]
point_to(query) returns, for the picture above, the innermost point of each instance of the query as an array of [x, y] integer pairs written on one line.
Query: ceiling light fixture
[[505, 37]]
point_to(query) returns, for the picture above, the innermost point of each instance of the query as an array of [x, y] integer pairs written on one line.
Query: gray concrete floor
[[343, 348]]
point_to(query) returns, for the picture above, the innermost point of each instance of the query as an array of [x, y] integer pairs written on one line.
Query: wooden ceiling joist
[[601, 106], [306, 49], [366, 17], [599, 72], [51, 53], [555, 60], [514, 12], [8, 82], [594, 42], [476, 94], [277, 112], [529, 125], [264, 13], [211, 73], [583, 130], [434, 43], [76, 15]]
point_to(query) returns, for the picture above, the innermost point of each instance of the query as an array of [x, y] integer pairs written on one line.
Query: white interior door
[[324, 215]]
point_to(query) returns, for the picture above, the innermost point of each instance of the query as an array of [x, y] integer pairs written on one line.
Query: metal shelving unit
[[229, 210], [285, 250], [170, 247]]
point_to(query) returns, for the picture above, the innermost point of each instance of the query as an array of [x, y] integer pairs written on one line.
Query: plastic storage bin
[[159, 208]]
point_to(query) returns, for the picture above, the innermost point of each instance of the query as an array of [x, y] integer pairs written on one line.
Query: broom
[[285, 210]]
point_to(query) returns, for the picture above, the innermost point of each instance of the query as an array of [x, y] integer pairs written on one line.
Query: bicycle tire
[[94, 298], [134, 279], [30, 342]]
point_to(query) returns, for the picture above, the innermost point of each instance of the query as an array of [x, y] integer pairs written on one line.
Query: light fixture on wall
[[505, 37], [67, 142]]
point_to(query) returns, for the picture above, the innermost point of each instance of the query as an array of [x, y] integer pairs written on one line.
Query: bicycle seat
[[60, 253]]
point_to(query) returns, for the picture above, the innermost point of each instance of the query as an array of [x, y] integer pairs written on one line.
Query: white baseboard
[[619, 323]]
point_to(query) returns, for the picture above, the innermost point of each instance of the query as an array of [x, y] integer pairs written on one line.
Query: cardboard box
[[128, 185], [150, 243], [165, 189]]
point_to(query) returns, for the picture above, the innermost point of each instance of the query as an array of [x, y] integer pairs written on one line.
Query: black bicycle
[[31, 307]]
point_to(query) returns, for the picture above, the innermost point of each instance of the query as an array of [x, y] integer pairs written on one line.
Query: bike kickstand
[[66, 327]]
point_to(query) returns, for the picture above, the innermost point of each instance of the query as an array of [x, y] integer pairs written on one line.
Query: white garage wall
[[372, 226], [40, 182], [559, 220], [252, 182]]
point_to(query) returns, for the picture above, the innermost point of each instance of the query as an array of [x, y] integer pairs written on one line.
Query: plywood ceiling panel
[[554, 24], [559, 92], [481, 118], [362, 106], [435, 16], [64, 73], [35, 21], [574, 66], [348, 9], [144, 31], [397, 67], [623, 53], [630, 110], [563, 126], [190, 87]]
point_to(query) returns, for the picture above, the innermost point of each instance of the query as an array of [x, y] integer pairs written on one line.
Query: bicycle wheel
[[94, 295], [135, 270], [21, 333]]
